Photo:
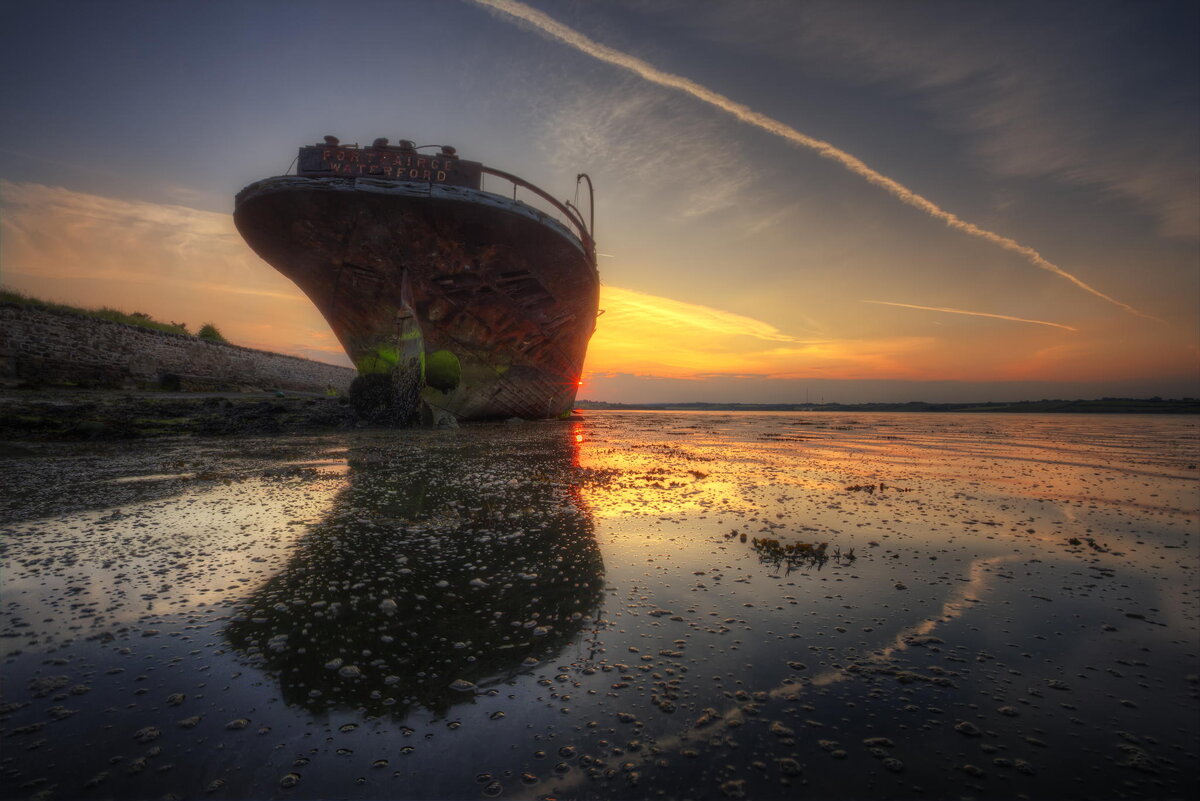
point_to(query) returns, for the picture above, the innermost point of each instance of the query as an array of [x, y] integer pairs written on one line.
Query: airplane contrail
[[971, 313], [577, 40]]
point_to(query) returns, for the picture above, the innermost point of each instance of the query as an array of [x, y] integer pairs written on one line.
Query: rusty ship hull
[[474, 305]]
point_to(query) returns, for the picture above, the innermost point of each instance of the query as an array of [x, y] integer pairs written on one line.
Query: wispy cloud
[[666, 312], [622, 132], [1088, 109], [1073, 110], [652, 335], [575, 39], [971, 313], [170, 261]]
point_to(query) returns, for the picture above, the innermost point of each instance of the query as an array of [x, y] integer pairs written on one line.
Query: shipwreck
[[453, 302]]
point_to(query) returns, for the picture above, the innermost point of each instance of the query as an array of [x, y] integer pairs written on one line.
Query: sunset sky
[[854, 201]]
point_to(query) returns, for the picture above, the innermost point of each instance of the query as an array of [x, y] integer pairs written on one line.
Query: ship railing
[[565, 208], [568, 210]]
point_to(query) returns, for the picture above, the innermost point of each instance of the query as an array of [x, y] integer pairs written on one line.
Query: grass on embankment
[[104, 313]]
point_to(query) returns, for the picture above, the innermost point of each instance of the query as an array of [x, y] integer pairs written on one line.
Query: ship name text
[[393, 163]]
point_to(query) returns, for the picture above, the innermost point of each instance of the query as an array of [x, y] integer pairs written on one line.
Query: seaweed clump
[[794, 555]]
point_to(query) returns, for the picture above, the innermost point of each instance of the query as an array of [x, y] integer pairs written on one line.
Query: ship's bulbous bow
[[453, 303]]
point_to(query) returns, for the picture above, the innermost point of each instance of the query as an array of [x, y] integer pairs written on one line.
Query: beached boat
[[453, 302]]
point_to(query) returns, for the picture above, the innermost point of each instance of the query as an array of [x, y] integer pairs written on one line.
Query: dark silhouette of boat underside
[[454, 303]]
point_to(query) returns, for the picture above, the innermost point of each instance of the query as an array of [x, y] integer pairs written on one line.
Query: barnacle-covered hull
[[472, 305]]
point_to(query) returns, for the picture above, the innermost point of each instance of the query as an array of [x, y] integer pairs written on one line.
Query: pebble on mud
[[789, 767], [734, 788], [967, 728], [147, 734]]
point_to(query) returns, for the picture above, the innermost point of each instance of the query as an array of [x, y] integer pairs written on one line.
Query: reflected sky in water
[[628, 605]]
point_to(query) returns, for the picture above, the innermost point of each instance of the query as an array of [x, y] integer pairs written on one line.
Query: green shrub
[[209, 332]]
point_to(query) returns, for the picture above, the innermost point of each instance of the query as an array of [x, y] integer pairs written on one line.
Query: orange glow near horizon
[[178, 263], [650, 335], [643, 334]]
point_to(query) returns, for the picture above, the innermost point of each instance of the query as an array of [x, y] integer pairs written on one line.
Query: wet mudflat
[[631, 605]]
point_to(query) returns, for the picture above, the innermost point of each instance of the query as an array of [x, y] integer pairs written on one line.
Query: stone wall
[[39, 345]]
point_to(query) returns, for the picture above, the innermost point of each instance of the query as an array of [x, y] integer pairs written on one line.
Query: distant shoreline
[[1101, 406]]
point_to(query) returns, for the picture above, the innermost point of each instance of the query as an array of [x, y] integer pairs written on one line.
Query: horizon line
[[1150, 399]]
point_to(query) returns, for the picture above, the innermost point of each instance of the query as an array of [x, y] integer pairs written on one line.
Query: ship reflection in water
[[430, 580]]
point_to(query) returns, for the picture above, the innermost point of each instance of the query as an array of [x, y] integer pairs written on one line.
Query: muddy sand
[[629, 605]]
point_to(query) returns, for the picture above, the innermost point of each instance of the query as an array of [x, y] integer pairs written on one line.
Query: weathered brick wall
[[46, 345]]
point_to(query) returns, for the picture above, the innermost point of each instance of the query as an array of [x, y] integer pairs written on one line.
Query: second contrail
[[948, 310], [577, 40]]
